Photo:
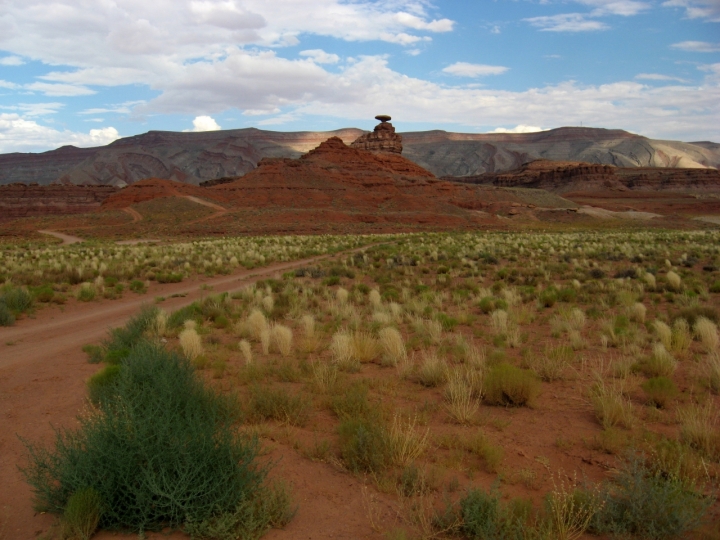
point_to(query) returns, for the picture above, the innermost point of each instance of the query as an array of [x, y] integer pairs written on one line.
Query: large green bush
[[161, 450]]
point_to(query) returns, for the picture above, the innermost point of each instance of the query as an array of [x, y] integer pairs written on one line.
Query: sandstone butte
[[382, 139], [335, 182]]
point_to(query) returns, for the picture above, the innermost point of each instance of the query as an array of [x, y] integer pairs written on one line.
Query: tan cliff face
[[196, 157]]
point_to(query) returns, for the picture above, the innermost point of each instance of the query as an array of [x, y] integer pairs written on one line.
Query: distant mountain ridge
[[197, 157]]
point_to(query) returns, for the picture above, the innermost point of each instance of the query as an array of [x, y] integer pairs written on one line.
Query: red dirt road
[[42, 388]]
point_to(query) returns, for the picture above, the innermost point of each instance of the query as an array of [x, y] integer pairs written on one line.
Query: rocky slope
[[196, 157], [564, 177], [22, 200]]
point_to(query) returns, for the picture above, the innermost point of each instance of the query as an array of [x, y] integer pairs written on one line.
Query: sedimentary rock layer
[[21, 200]]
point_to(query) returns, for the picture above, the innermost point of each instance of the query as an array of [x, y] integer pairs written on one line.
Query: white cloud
[[625, 8], [320, 57], [696, 46], [58, 90], [698, 9], [34, 109], [465, 69], [11, 61], [204, 123], [521, 128], [18, 134], [658, 77], [566, 22]]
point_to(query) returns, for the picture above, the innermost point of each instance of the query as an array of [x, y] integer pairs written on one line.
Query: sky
[[86, 72]]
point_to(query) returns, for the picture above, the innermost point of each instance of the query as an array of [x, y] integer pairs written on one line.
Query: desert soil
[[42, 389]]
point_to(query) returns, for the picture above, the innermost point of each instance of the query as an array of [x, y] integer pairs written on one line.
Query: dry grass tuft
[[664, 333], [282, 339], [432, 370], [246, 351], [673, 280], [393, 347], [611, 406], [190, 343], [570, 514], [698, 428], [463, 391], [707, 332], [638, 312], [681, 338], [257, 323], [405, 444]]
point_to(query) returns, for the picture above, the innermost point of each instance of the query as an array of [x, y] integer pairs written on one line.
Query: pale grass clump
[[308, 325], [100, 284], [499, 321], [551, 365], [324, 376], [432, 370], [190, 343], [475, 357], [257, 323], [341, 347], [512, 336], [282, 339], [576, 340], [673, 280], [405, 443], [462, 392], [159, 324], [393, 346], [246, 351], [265, 337], [707, 332], [374, 298], [711, 369], [190, 325], [650, 281], [576, 319], [341, 295], [570, 515], [611, 406], [268, 303], [396, 311], [638, 312], [664, 333], [365, 348], [660, 363], [681, 338], [699, 428], [382, 318]]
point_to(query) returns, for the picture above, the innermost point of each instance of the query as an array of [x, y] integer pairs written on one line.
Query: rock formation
[[193, 158], [382, 139], [25, 200], [564, 177]]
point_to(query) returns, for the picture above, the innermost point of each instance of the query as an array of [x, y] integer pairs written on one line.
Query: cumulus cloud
[[566, 22], [696, 46], [697, 9], [465, 69], [11, 61], [19, 134], [625, 8], [657, 77], [204, 123], [521, 128], [320, 57]]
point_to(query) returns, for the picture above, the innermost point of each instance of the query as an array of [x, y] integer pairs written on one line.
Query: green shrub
[[567, 294], [268, 404], [484, 517], [17, 299], [548, 297], [488, 304], [351, 402], [162, 452], [86, 292], [448, 323], [6, 316], [138, 286], [715, 287], [100, 385], [649, 504], [331, 281], [82, 514], [124, 338], [660, 390], [505, 384], [43, 294], [364, 445], [170, 277], [177, 318], [96, 353]]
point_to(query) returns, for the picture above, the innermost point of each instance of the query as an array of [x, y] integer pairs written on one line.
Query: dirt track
[[42, 388]]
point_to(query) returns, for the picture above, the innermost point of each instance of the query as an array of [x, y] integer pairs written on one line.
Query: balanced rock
[[382, 139]]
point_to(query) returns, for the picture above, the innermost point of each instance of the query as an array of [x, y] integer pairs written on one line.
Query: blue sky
[[86, 72]]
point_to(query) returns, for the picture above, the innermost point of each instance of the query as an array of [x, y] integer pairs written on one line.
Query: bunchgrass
[[505, 384]]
